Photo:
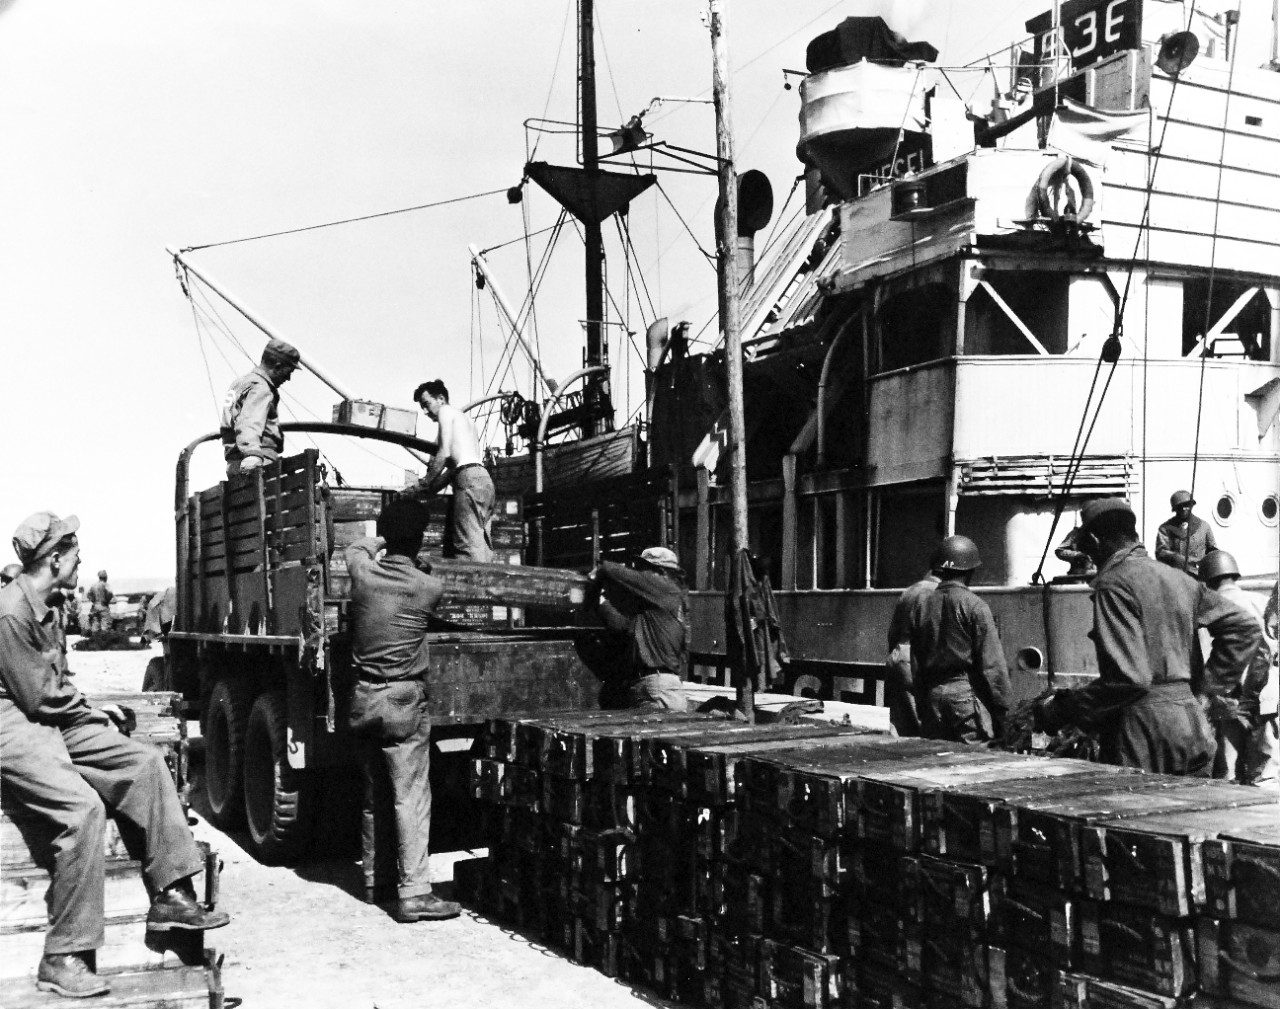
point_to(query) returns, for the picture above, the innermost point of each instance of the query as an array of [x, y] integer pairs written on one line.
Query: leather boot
[[427, 907], [177, 908], [70, 975]]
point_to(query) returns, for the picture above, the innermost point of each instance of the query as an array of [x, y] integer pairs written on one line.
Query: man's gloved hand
[[122, 717], [250, 462]]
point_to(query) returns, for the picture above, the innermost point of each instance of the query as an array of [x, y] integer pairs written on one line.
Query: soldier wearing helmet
[[962, 683], [649, 606], [1245, 722], [1184, 538], [1144, 620], [100, 596]]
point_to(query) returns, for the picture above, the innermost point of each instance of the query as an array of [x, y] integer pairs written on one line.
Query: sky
[[140, 124]]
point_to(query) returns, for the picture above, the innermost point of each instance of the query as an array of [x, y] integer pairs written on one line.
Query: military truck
[[260, 642]]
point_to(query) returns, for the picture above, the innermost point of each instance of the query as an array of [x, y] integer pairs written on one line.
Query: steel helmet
[[1179, 498], [1216, 564], [956, 553], [661, 557]]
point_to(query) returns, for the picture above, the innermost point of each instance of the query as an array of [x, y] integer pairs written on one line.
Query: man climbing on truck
[[250, 425], [458, 461]]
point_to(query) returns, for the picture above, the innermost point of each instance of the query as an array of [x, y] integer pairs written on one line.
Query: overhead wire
[[347, 220]]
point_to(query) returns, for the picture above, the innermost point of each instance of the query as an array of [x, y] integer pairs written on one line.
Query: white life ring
[[1053, 184]]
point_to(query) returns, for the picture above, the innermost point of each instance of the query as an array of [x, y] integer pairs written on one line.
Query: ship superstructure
[[988, 317]]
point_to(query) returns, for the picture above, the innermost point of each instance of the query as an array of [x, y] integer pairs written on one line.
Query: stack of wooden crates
[[173, 970], [812, 868]]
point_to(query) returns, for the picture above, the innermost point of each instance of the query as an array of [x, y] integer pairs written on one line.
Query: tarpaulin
[[753, 633], [863, 38]]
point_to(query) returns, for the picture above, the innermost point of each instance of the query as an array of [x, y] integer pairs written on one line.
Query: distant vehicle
[[129, 612]]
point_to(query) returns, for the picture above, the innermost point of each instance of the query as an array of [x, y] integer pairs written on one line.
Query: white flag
[[1086, 133]]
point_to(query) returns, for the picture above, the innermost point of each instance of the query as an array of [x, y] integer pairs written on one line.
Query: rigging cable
[[709, 257], [348, 220], [1078, 449], [1208, 303]]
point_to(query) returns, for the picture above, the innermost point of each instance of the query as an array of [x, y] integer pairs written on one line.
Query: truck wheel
[[226, 717], [154, 678], [279, 801]]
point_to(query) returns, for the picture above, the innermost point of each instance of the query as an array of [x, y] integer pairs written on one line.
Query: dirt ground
[[301, 937]]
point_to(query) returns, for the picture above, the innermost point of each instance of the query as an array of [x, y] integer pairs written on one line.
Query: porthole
[[1269, 509], [1224, 510]]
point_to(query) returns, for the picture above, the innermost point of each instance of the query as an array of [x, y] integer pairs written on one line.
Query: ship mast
[[597, 419]]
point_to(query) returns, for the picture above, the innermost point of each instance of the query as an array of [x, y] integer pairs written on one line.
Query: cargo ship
[[984, 318]]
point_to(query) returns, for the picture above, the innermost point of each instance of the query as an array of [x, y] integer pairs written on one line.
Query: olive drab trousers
[[471, 515], [395, 826], [1166, 732], [69, 779]]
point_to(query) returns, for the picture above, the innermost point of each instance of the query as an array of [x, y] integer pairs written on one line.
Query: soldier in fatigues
[[100, 596], [391, 604], [1145, 616], [64, 762], [1245, 724], [962, 682], [250, 424], [900, 680], [1184, 538]]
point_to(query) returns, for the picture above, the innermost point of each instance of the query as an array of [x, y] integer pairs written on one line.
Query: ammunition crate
[[877, 988], [1239, 961], [1241, 868], [1134, 946], [946, 894], [1022, 979], [1032, 918], [800, 979]]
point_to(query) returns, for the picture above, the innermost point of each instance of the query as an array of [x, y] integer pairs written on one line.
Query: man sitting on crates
[[391, 604], [458, 461], [68, 764], [250, 428]]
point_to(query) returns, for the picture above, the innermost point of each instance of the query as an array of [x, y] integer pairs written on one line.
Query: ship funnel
[[863, 118], [755, 207]]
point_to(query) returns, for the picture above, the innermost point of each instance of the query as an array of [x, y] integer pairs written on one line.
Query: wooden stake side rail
[[842, 870]]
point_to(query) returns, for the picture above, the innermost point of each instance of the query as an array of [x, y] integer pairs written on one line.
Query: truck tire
[[279, 801], [225, 721], [154, 678]]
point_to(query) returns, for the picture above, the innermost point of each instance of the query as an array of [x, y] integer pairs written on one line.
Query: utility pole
[[726, 255]]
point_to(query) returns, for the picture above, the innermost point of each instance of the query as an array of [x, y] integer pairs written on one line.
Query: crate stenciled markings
[[884, 803], [810, 784], [617, 756], [1047, 841], [1242, 867], [566, 749], [1239, 961], [1034, 825], [1159, 861], [1036, 919], [711, 770], [953, 820], [1138, 947]]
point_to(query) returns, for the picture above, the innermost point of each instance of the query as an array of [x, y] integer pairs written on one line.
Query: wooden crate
[[1241, 868], [1239, 961], [1134, 946], [1035, 919]]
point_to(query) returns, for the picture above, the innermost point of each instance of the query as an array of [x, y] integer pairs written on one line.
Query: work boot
[[177, 908], [69, 974], [427, 907]]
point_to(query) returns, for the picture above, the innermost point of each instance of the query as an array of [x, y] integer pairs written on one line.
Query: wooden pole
[[593, 239], [729, 322]]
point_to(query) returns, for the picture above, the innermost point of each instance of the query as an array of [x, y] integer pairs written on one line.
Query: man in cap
[[1145, 615], [8, 573], [962, 682], [1184, 538], [100, 596], [649, 605], [63, 761], [1245, 720], [250, 424], [457, 461], [391, 605]]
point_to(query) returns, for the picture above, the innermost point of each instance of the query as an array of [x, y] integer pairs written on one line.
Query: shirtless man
[[457, 461]]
